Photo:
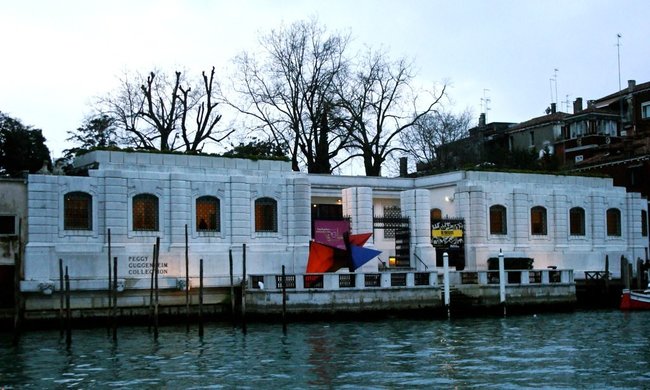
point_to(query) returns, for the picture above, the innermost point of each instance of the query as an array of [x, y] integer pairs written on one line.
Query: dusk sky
[[58, 55]]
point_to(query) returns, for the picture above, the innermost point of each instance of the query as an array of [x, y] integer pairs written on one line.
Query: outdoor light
[[392, 261], [449, 198]]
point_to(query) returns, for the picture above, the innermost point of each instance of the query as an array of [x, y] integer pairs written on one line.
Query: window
[[613, 222], [436, 214], [208, 214], [498, 220], [145, 212], [644, 223], [7, 225], [77, 211], [577, 221], [538, 221], [645, 110], [266, 215], [532, 138]]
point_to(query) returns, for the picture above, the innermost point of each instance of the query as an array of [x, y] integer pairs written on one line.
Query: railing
[[515, 277], [426, 268], [335, 281]]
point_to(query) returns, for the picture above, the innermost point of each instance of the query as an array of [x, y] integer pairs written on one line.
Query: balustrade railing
[[334, 281]]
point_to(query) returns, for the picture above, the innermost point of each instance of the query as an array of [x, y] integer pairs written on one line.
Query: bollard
[[284, 301], [201, 298], [232, 289], [187, 281]]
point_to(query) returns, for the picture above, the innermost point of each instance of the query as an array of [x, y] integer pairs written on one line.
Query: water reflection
[[601, 349]]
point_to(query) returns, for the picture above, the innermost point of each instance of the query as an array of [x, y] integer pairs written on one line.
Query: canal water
[[585, 349]]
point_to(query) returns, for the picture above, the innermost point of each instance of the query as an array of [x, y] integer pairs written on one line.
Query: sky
[[59, 56]]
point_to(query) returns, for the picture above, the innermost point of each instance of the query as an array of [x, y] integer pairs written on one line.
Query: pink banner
[[331, 232]]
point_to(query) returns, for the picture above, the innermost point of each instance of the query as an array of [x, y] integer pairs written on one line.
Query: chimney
[[631, 84], [590, 104], [577, 105], [403, 166], [553, 108], [481, 120]]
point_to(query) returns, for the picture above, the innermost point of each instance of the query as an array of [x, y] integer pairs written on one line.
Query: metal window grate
[[208, 216], [77, 211], [145, 212]]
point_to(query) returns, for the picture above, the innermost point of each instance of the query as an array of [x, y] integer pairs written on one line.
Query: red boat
[[635, 299]]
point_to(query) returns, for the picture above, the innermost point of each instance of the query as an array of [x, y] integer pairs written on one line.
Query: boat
[[635, 299]]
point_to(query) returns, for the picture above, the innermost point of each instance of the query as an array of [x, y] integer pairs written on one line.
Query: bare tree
[[425, 141], [290, 93], [381, 104], [153, 111]]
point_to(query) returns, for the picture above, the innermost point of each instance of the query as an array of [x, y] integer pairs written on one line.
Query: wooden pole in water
[[153, 264], [109, 290], [61, 298], [284, 301], [445, 281], [243, 293], [624, 272], [232, 289], [607, 296], [502, 282], [114, 304], [201, 298], [68, 331], [639, 273], [155, 306], [18, 276], [187, 280]]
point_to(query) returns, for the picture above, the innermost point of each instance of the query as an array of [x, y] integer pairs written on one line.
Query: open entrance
[[397, 227]]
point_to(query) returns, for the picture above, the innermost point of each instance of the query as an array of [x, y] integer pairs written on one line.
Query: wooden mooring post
[[243, 292], [18, 276], [153, 264], [114, 303], [156, 293], [201, 298], [61, 299], [284, 301], [68, 316], [232, 289], [109, 290], [187, 280]]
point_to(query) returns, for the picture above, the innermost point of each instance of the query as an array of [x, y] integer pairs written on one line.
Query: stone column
[[357, 203], [180, 209], [240, 211], [559, 221], [520, 219], [299, 222], [416, 204]]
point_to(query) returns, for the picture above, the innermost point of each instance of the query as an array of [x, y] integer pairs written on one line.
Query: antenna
[[566, 102], [485, 103], [551, 82], [618, 54]]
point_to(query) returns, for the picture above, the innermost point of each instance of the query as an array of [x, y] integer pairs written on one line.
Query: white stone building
[[568, 222]]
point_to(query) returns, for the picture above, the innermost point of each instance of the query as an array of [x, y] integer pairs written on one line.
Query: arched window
[[208, 214], [77, 211], [538, 221], [498, 224], [266, 215], [613, 222], [436, 214], [577, 221], [145, 212], [644, 223]]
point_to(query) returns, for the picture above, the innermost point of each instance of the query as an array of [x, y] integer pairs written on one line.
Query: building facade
[[213, 206]]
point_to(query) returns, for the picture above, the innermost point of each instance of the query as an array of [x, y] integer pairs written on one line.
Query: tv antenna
[[618, 55], [485, 103], [553, 81], [566, 103]]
